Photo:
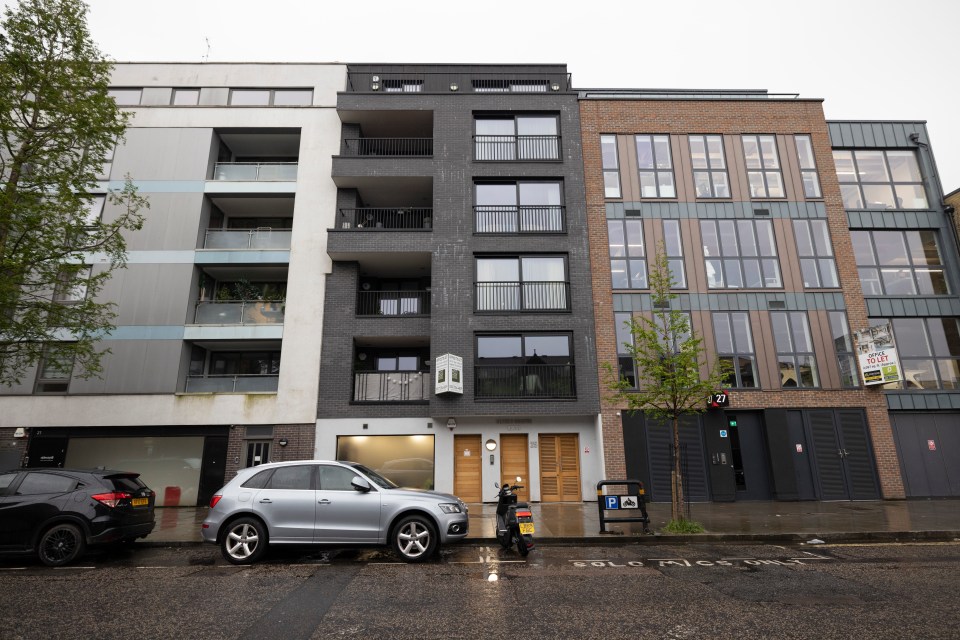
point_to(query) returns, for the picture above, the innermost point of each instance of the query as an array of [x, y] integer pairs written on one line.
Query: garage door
[[929, 448]]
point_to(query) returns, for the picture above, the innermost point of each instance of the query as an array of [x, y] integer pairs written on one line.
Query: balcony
[[266, 383], [549, 80], [393, 303], [522, 296], [387, 147], [247, 239], [392, 386], [372, 218], [240, 312], [505, 148], [256, 171], [523, 382], [520, 219]]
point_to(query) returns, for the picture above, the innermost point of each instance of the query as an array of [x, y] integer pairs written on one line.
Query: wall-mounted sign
[[448, 374], [877, 355], [932, 445], [719, 400], [799, 448], [723, 433]]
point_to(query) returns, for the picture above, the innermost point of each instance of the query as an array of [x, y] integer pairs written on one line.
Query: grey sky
[[868, 59]]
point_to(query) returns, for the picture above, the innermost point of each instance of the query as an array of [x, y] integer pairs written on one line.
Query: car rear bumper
[[123, 532]]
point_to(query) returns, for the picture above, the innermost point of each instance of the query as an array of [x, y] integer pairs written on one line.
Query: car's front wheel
[[60, 545], [414, 539], [244, 541]]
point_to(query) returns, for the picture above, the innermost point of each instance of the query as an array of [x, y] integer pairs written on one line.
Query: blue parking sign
[[613, 502]]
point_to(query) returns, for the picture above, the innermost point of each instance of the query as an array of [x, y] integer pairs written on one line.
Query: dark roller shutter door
[[660, 448], [858, 457], [826, 451]]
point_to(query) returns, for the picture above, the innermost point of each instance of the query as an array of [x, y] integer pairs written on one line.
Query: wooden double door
[[559, 467]]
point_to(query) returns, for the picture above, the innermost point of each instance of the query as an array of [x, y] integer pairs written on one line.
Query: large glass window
[[655, 165], [709, 167], [72, 284], [740, 254], [795, 357], [275, 97], [808, 166], [735, 346], [763, 166], [929, 351], [611, 166], [815, 251], [528, 365], [843, 345], [626, 364], [125, 97], [517, 138], [53, 373], [519, 207], [673, 246], [628, 264], [527, 283], [877, 179], [899, 263], [408, 460], [185, 97]]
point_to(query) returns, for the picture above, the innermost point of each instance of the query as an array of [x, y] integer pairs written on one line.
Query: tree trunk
[[677, 509]]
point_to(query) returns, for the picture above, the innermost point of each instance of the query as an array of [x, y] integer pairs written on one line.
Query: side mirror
[[360, 484]]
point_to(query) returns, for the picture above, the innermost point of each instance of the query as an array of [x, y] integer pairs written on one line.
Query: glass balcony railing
[[525, 381], [392, 386], [247, 239], [232, 383], [240, 312], [253, 171]]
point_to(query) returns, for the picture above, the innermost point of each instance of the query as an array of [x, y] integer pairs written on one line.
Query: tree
[[673, 376], [58, 127]]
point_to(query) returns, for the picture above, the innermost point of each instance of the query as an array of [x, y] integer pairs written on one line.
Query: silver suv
[[331, 503]]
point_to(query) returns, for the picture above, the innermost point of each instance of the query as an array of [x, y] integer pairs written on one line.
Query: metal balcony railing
[[505, 148], [524, 381], [520, 219], [263, 171], [393, 303], [232, 383], [367, 218], [452, 82], [523, 296], [388, 147], [240, 312], [265, 238], [392, 386]]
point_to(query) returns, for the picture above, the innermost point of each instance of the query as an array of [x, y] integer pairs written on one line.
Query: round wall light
[[490, 444]]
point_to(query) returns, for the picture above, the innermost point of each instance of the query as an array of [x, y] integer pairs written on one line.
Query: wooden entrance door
[[467, 461], [559, 467], [514, 462]]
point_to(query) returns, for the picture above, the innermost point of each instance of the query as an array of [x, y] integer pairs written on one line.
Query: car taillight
[[214, 500], [111, 499]]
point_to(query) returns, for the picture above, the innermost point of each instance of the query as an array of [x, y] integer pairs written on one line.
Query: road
[[629, 591]]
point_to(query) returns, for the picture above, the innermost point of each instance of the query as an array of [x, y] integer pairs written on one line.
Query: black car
[[57, 513]]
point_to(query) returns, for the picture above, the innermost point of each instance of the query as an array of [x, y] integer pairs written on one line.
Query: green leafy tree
[[58, 128], [673, 376]]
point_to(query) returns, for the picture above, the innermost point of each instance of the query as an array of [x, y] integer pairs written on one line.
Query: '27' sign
[[720, 399]]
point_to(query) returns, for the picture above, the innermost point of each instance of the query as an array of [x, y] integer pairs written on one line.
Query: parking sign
[[613, 502]]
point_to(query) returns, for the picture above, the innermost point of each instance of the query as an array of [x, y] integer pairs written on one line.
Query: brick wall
[[300, 445]]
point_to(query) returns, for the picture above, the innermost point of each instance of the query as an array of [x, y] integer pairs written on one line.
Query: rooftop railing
[[256, 171], [453, 82]]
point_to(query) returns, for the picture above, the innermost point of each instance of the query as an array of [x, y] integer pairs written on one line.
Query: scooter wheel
[[524, 544]]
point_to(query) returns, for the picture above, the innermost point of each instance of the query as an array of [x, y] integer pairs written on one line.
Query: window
[[899, 263], [406, 460], [816, 254], [107, 166], [655, 166], [673, 246], [54, 371], [125, 97], [185, 97], [709, 167], [524, 366], [763, 166], [40, 483], [275, 97], [611, 166], [626, 364], [740, 254], [808, 167], [628, 264], [795, 358], [94, 211], [529, 283], [735, 346], [296, 478], [843, 345], [520, 207], [517, 138], [336, 478], [252, 363], [929, 351], [258, 452], [873, 179], [72, 284]]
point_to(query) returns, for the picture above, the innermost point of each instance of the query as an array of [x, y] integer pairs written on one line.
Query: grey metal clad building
[[214, 363], [460, 238]]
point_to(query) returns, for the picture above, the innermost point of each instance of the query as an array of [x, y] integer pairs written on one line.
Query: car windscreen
[[377, 479], [130, 483]]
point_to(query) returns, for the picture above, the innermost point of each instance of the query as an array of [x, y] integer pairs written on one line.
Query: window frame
[[763, 170], [846, 356], [709, 170], [516, 153], [847, 185], [53, 384], [934, 355], [183, 91], [674, 258], [791, 319], [724, 261], [736, 354], [626, 365], [911, 267], [271, 96], [117, 92], [806, 171], [815, 259], [522, 296], [607, 170], [629, 260], [654, 139], [520, 208]]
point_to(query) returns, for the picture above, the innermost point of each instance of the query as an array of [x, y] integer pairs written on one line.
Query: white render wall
[[315, 208]]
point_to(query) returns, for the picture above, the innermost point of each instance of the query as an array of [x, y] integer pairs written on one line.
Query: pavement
[[579, 523]]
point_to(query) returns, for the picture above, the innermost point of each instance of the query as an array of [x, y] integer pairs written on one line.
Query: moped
[[514, 519]]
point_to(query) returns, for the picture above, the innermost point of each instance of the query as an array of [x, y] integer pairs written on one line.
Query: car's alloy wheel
[[60, 545], [414, 539], [244, 541]]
